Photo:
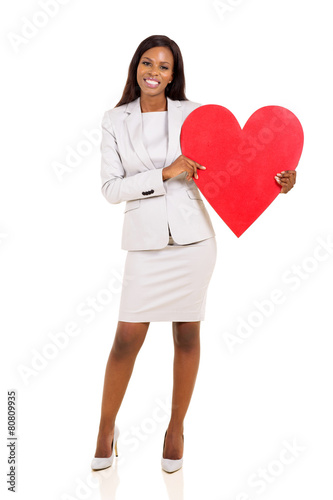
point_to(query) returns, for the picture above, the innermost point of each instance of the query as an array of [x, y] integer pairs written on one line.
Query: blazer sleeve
[[116, 187]]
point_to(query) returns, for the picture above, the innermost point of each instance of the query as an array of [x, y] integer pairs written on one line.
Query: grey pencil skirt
[[169, 284]]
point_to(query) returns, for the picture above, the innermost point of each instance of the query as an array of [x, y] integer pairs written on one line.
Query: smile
[[151, 83]]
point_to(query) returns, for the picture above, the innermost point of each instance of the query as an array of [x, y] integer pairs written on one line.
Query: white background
[[60, 245]]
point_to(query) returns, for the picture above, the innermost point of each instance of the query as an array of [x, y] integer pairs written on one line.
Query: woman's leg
[[186, 336], [126, 345]]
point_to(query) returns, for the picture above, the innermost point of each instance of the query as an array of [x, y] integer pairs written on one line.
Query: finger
[[288, 175], [285, 183], [198, 166], [201, 167], [190, 172], [290, 179], [193, 165], [192, 162], [193, 172]]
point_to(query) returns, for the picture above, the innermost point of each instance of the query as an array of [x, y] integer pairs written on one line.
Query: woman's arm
[[115, 186]]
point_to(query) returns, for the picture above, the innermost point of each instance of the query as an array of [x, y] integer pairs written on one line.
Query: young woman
[[167, 232]]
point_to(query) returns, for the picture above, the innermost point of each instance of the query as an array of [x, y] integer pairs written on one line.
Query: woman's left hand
[[286, 179]]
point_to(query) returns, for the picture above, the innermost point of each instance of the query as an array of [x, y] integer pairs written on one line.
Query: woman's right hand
[[182, 164]]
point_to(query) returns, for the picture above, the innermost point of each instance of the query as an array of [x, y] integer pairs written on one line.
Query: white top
[[155, 136]]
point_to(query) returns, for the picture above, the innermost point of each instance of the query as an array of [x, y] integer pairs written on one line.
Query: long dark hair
[[174, 90]]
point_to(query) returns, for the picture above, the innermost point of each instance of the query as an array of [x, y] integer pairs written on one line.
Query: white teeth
[[152, 82]]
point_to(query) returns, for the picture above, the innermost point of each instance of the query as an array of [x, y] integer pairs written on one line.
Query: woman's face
[[155, 70]]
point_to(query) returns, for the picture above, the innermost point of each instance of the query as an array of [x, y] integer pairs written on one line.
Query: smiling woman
[[155, 71], [159, 55], [167, 232]]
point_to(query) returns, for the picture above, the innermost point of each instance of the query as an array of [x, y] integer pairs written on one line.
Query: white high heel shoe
[[103, 463], [169, 465]]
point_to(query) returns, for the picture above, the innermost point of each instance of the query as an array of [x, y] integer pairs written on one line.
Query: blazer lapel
[[134, 127]]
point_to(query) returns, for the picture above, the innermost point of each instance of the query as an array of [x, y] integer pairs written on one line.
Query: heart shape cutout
[[241, 163]]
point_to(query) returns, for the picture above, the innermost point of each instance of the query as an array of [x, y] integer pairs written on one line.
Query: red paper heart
[[241, 163]]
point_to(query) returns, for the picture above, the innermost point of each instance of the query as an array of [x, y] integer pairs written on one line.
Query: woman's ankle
[[106, 429], [175, 427]]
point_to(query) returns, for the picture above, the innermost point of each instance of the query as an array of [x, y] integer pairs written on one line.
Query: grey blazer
[[128, 174]]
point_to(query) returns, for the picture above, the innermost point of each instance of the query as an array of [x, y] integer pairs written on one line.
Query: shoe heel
[[115, 448]]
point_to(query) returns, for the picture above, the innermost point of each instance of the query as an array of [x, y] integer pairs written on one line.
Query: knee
[[186, 335], [127, 341]]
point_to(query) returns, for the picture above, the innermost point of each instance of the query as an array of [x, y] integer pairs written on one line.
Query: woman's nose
[[154, 71]]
